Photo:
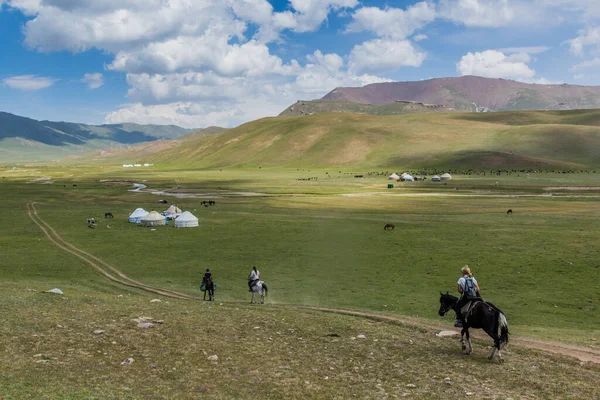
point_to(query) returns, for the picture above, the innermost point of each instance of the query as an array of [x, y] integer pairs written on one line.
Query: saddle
[[465, 311]]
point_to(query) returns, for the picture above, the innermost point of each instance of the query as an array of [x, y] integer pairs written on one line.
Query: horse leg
[[462, 339], [496, 347], [469, 342]]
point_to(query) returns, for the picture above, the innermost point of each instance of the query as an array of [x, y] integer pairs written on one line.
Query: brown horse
[[388, 226]]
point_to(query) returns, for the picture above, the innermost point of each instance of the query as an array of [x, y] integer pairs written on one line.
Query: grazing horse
[[509, 211], [388, 226], [208, 286], [108, 215], [261, 288], [483, 315]]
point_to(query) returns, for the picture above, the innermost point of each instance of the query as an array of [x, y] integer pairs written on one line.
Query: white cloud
[[495, 64], [589, 37], [28, 82], [485, 13], [420, 37], [384, 55], [593, 63], [203, 53], [196, 99], [393, 22], [93, 80]]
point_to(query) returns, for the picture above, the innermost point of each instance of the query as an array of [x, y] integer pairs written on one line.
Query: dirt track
[[100, 266]]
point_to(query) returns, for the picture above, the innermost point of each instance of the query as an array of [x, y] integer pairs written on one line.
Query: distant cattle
[[389, 226], [108, 215], [74, 185], [509, 212], [162, 202]]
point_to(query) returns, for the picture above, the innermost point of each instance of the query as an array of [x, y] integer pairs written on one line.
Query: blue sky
[[197, 63]]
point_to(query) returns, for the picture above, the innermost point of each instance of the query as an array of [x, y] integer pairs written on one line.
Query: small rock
[[127, 361], [153, 365], [98, 332], [155, 301], [411, 385], [37, 355], [257, 327], [158, 321], [361, 336], [145, 325], [214, 357], [113, 342], [55, 290], [469, 393], [447, 333]]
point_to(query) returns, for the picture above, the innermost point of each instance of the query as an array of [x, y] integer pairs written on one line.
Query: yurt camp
[[393, 177], [153, 219], [446, 177], [186, 220], [436, 178], [137, 215]]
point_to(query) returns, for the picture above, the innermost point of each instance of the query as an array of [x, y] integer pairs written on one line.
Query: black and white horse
[[483, 315], [261, 288]]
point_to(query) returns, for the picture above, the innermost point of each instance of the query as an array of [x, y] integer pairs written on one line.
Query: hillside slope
[[567, 139], [25, 139], [472, 93], [325, 106]]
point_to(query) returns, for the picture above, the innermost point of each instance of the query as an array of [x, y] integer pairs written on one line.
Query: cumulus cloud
[[495, 64], [420, 37], [194, 63], [480, 13], [394, 23], [93, 80], [28, 82], [194, 99], [589, 37], [384, 55]]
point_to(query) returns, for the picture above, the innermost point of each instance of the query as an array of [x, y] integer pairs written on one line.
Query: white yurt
[[186, 220], [173, 210], [436, 178], [393, 177], [153, 219], [137, 215], [446, 177], [408, 178]]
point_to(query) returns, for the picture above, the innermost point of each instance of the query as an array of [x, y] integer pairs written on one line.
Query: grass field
[[316, 243]]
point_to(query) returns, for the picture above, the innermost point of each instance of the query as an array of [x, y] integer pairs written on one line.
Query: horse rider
[[468, 289], [253, 278], [207, 276]]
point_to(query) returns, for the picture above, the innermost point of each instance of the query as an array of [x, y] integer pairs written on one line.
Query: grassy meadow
[[317, 243]]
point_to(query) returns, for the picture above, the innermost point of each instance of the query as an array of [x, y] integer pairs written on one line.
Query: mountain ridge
[[473, 93], [25, 139]]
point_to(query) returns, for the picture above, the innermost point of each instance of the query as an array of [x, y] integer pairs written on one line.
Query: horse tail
[[265, 288], [503, 328]]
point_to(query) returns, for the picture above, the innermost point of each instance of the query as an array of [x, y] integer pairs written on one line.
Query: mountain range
[[472, 93], [26, 139]]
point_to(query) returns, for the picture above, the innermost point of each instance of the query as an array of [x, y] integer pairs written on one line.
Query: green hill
[[326, 106], [558, 139]]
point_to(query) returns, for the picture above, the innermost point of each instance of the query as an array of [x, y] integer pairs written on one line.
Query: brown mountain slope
[[472, 93]]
